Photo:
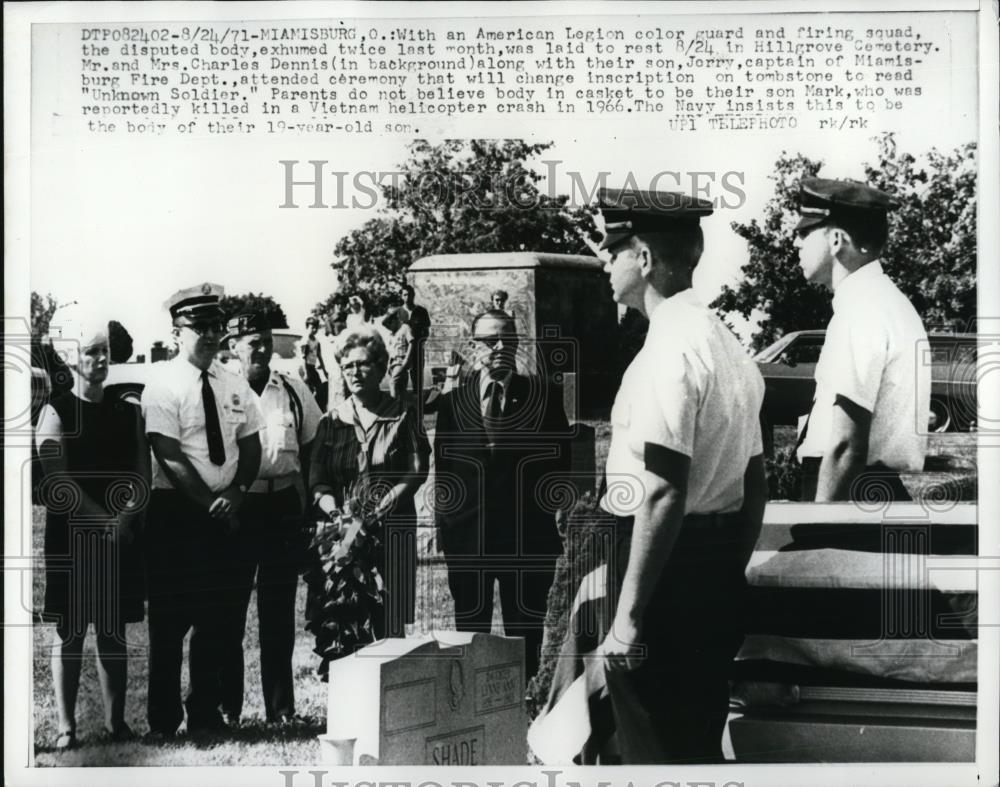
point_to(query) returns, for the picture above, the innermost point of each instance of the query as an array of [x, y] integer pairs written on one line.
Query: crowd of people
[[224, 482]]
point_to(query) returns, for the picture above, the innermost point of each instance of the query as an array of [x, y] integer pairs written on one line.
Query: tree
[[119, 341], [254, 302], [931, 253], [454, 197], [42, 309]]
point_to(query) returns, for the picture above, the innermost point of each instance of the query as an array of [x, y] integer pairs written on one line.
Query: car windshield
[[285, 344], [772, 351]]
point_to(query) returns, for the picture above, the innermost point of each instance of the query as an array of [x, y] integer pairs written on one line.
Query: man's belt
[[693, 521], [267, 486]]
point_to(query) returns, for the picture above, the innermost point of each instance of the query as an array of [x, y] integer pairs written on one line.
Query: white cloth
[[279, 439], [172, 406], [693, 389], [871, 356]]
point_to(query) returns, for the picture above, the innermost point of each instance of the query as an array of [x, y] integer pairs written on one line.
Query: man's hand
[[622, 650], [226, 504]]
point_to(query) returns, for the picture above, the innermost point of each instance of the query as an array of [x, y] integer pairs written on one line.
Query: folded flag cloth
[[591, 717]]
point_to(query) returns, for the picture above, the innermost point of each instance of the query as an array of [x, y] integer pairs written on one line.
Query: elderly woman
[[369, 456], [96, 474]]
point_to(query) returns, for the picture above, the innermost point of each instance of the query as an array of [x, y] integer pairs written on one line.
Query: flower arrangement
[[345, 609]]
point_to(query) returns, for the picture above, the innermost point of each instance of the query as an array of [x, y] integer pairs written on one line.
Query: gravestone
[[561, 305], [449, 699]]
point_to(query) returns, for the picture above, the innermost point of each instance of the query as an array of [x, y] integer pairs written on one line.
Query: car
[[789, 366]]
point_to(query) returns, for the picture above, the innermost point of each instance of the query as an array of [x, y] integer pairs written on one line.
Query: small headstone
[[448, 699]]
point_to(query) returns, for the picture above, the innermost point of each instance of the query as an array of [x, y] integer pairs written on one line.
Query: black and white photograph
[[519, 393]]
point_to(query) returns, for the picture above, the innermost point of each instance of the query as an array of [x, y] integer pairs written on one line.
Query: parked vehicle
[[789, 366]]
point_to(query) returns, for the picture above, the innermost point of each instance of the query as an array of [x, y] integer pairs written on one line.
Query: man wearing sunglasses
[[869, 412], [501, 438], [203, 424]]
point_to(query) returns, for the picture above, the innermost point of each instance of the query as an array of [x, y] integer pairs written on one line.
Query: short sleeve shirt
[[401, 341], [172, 406], [288, 424], [693, 389], [871, 355]]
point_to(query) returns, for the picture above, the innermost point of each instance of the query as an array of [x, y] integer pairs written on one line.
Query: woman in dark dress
[[369, 457], [96, 479]]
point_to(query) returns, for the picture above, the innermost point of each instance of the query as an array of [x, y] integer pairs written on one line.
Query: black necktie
[[216, 449], [492, 417]]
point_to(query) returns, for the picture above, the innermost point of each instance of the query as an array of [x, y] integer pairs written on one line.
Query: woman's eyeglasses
[[357, 366]]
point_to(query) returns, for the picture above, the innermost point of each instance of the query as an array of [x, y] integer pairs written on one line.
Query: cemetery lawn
[[950, 456]]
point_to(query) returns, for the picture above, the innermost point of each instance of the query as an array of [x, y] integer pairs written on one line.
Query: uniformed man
[[203, 425], [869, 416], [685, 487], [269, 522]]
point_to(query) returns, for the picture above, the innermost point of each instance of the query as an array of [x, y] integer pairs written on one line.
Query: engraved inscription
[[498, 688], [463, 747]]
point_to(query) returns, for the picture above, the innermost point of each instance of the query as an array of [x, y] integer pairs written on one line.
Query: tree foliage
[[931, 253], [42, 309], [119, 342], [254, 302], [454, 197]]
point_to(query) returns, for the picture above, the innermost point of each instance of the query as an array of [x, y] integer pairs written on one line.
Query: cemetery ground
[[952, 460]]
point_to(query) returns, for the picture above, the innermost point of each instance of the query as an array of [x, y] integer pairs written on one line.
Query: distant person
[[420, 325], [269, 526], [869, 415], [315, 368], [401, 352], [356, 313], [93, 453], [498, 300]]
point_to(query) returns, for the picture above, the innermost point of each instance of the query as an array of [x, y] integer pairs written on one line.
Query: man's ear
[[645, 260]]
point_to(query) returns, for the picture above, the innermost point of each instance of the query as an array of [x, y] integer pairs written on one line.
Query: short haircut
[[367, 338], [683, 246], [499, 294], [409, 289], [870, 233], [496, 314], [355, 299]]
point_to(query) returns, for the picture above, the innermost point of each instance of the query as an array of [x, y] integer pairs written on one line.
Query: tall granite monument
[[561, 304]]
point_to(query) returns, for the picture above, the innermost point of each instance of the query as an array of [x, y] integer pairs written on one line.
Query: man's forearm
[[837, 472], [182, 475], [248, 463], [654, 533]]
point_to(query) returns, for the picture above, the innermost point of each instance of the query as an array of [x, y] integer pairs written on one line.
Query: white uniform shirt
[[280, 440], [172, 406], [871, 356], [693, 389]]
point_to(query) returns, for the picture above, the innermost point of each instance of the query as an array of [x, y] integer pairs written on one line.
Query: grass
[[251, 744], [950, 457]]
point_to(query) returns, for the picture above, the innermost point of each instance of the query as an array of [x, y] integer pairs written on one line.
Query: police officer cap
[[629, 212], [246, 324], [822, 201], [196, 304]]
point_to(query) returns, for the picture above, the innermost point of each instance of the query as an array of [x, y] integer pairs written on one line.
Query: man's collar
[[684, 296], [485, 379], [194, 371], [856, 281]]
